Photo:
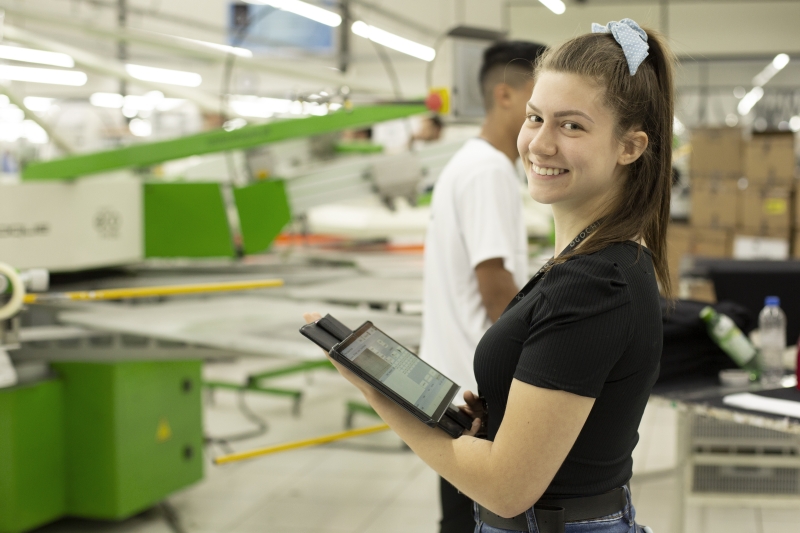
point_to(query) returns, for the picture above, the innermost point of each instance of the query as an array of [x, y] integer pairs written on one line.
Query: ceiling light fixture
[[395, 42], [38, 103], [140, 128], [164, 75], [749, 100], [235, 50], [109, 100], [317, 14], [75, 78], [757, 92], [556, 6], [253, 106], [28, 55], [148, 102], [777, 64]]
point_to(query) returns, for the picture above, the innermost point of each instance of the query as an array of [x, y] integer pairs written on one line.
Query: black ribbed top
[[592, 326]]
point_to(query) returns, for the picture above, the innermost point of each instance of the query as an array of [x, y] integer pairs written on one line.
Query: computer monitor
[[749, 282]]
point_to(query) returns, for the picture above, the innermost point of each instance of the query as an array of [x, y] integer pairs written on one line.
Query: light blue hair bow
[[631, 37]]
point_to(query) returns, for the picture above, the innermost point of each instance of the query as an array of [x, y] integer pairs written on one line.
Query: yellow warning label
[[775, 206], [164, 432]]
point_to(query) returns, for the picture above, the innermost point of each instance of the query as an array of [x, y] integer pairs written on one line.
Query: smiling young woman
[[566, 371]]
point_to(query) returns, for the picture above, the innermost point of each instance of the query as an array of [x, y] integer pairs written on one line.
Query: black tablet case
[[328, 332]]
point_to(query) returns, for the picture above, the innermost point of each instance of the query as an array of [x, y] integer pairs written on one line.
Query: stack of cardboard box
[[742, 199], [765, 223]]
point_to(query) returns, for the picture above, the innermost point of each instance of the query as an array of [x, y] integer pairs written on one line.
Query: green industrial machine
[[106, 440], [102, 440], [133, 433], [189, 219], [32, 455]]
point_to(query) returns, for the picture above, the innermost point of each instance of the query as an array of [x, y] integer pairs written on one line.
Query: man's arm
[[496, 285]]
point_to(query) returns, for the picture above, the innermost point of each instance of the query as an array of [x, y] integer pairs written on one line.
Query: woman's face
[[567, 142]]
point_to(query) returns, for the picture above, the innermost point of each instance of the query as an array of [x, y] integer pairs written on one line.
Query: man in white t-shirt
[[476, 248]]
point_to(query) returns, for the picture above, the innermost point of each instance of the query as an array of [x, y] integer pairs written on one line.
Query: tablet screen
[[400, 370]]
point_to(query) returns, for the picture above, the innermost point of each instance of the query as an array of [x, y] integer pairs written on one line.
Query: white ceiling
[[722, 44]]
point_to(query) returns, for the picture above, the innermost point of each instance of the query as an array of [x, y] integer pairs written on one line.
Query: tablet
[[397, 373]]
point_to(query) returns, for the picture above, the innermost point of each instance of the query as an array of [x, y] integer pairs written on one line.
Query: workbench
[[728, 456]]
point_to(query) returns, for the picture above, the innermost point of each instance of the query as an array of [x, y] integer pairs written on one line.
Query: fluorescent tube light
[[109, 100], [148, 102], [749, 100], [777, 64], [28, 55], [323, 16], [395, 42], [780, 61], [140, 128], [253, 106], [74, 78], [235, 50], [37, 103], [164, 75], [556, 6]]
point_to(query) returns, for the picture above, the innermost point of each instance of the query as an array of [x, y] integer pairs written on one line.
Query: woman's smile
[[548, 171]]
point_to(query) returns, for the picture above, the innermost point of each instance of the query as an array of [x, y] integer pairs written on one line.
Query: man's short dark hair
[[508, 62]]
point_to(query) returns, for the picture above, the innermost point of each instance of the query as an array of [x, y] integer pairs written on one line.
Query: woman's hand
[[476, 409], [346, 373]]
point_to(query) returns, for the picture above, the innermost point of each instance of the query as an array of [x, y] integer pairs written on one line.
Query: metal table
[[715, 440], [248, 324]]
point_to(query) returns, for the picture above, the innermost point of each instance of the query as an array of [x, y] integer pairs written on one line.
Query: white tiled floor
[[373, 484]]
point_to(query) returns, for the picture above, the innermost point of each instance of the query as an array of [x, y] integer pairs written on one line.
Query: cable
[[389, 68], [372, 448], [261, 427], [171, 517], [240, 37], [429, 67], [224, 94]]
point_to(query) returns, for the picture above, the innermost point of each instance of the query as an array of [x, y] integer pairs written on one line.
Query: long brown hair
[[644, 101]]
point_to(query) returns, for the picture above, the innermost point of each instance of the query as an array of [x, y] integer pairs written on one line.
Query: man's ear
[[501, 95], [633, 146]]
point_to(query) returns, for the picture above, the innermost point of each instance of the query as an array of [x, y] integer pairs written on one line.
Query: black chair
[[749, 282]]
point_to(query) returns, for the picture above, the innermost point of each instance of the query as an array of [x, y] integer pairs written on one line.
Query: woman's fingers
[[476, 426], [311, 317], [466, 410]]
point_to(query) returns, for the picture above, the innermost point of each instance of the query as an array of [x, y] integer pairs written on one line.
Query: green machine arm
[[146, 154]]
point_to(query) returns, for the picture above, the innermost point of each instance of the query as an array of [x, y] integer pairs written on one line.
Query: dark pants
[[457, 515]]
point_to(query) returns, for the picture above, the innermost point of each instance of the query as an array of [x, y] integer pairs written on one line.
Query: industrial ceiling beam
[[55, 138], [178, 46], [112, 68]]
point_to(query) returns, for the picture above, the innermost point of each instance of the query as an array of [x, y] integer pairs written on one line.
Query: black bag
[[688, 350]]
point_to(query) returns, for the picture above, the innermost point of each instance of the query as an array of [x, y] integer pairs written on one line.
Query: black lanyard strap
[[582, 236]]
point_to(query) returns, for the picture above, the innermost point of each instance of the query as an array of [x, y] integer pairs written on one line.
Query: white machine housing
[[65, 226]]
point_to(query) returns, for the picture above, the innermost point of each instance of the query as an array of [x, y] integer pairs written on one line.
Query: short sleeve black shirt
[[591, 326]]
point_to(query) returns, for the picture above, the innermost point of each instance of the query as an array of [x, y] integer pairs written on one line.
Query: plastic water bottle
[[772, 330], [727, 335]]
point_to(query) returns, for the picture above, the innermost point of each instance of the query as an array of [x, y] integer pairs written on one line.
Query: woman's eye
[[572, 126], [534, 118]]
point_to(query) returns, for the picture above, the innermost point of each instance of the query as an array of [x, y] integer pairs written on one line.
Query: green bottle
[[727, 335]]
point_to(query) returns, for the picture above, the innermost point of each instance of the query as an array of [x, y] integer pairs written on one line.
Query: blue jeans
[[620, 522]]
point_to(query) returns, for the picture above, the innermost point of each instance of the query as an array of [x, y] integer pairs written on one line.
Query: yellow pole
[[145, 292], [241, 456]]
